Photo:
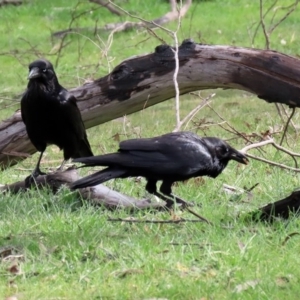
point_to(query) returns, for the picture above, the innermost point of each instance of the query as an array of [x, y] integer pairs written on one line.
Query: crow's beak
[[239, 157], [34, 73]]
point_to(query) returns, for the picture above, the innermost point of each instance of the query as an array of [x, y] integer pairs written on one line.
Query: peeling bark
[[143, 81]]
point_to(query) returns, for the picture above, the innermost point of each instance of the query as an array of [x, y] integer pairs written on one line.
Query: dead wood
[[105, 3], [143, 81], [99, 195], [170, 16], [283, 208], [10, 2]]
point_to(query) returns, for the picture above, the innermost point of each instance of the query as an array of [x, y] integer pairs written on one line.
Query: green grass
[[69, 250]]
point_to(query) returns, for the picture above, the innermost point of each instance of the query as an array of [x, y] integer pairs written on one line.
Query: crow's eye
[[221, 151], [44, 70]]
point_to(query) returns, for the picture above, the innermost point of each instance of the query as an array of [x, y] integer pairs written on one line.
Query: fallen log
[[10, 2], [143, 81], [99, 194]]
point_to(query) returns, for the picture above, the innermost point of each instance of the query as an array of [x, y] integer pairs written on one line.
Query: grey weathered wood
[[99, 194], [143, 81]]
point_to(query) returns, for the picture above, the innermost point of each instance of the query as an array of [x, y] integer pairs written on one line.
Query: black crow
[[51, 116], [171, 157]]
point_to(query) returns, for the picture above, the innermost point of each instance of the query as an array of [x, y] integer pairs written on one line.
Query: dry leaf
[[116, 137], [241, 245], [282, 281], [174, 216], [182, 268], [246, 285], [12, 298], [14, 269]]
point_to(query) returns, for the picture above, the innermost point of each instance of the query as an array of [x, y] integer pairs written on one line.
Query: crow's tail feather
[[99, 160], [98, 177]]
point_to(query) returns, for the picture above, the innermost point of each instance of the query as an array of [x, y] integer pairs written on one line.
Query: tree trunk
[[143, 81]]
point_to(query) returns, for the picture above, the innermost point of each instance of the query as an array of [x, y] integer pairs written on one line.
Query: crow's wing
[[72, 116], [129, 159], [159, 143], [167, 154], [71, 112], [24, 107], [176, 151]]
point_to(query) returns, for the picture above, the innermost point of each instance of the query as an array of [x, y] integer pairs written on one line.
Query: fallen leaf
[[116, 137], [14, 269], [174, 216], [181, 267], [241, 245], [12, 298], [246, 285], [282, 281]]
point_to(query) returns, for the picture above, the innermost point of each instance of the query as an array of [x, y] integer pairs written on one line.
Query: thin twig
[[256, 145], [287, 115], [284, 17], [189, 244], [263, 25], [202, 219], [153, 23], [259, 23], [273, 163], [192, 113], [175, 74], [234, 130], [153, 221], [286, 125], [278, 147]]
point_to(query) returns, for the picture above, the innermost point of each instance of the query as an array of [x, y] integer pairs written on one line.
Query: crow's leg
[[166, 189], [35, 173], [151, 188]]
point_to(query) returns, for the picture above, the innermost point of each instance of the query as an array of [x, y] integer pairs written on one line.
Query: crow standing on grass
[[171, 157], [51, 116]]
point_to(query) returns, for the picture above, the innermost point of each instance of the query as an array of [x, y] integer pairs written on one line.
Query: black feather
[[171, 157], [51, 115]]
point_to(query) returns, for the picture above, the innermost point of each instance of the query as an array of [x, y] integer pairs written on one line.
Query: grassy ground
[[65, 249]]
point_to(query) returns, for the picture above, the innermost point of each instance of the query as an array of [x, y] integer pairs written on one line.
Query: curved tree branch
[[143, 81]]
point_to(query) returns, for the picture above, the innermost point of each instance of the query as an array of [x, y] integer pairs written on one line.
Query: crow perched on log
[[171, 157], [51, 116]]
